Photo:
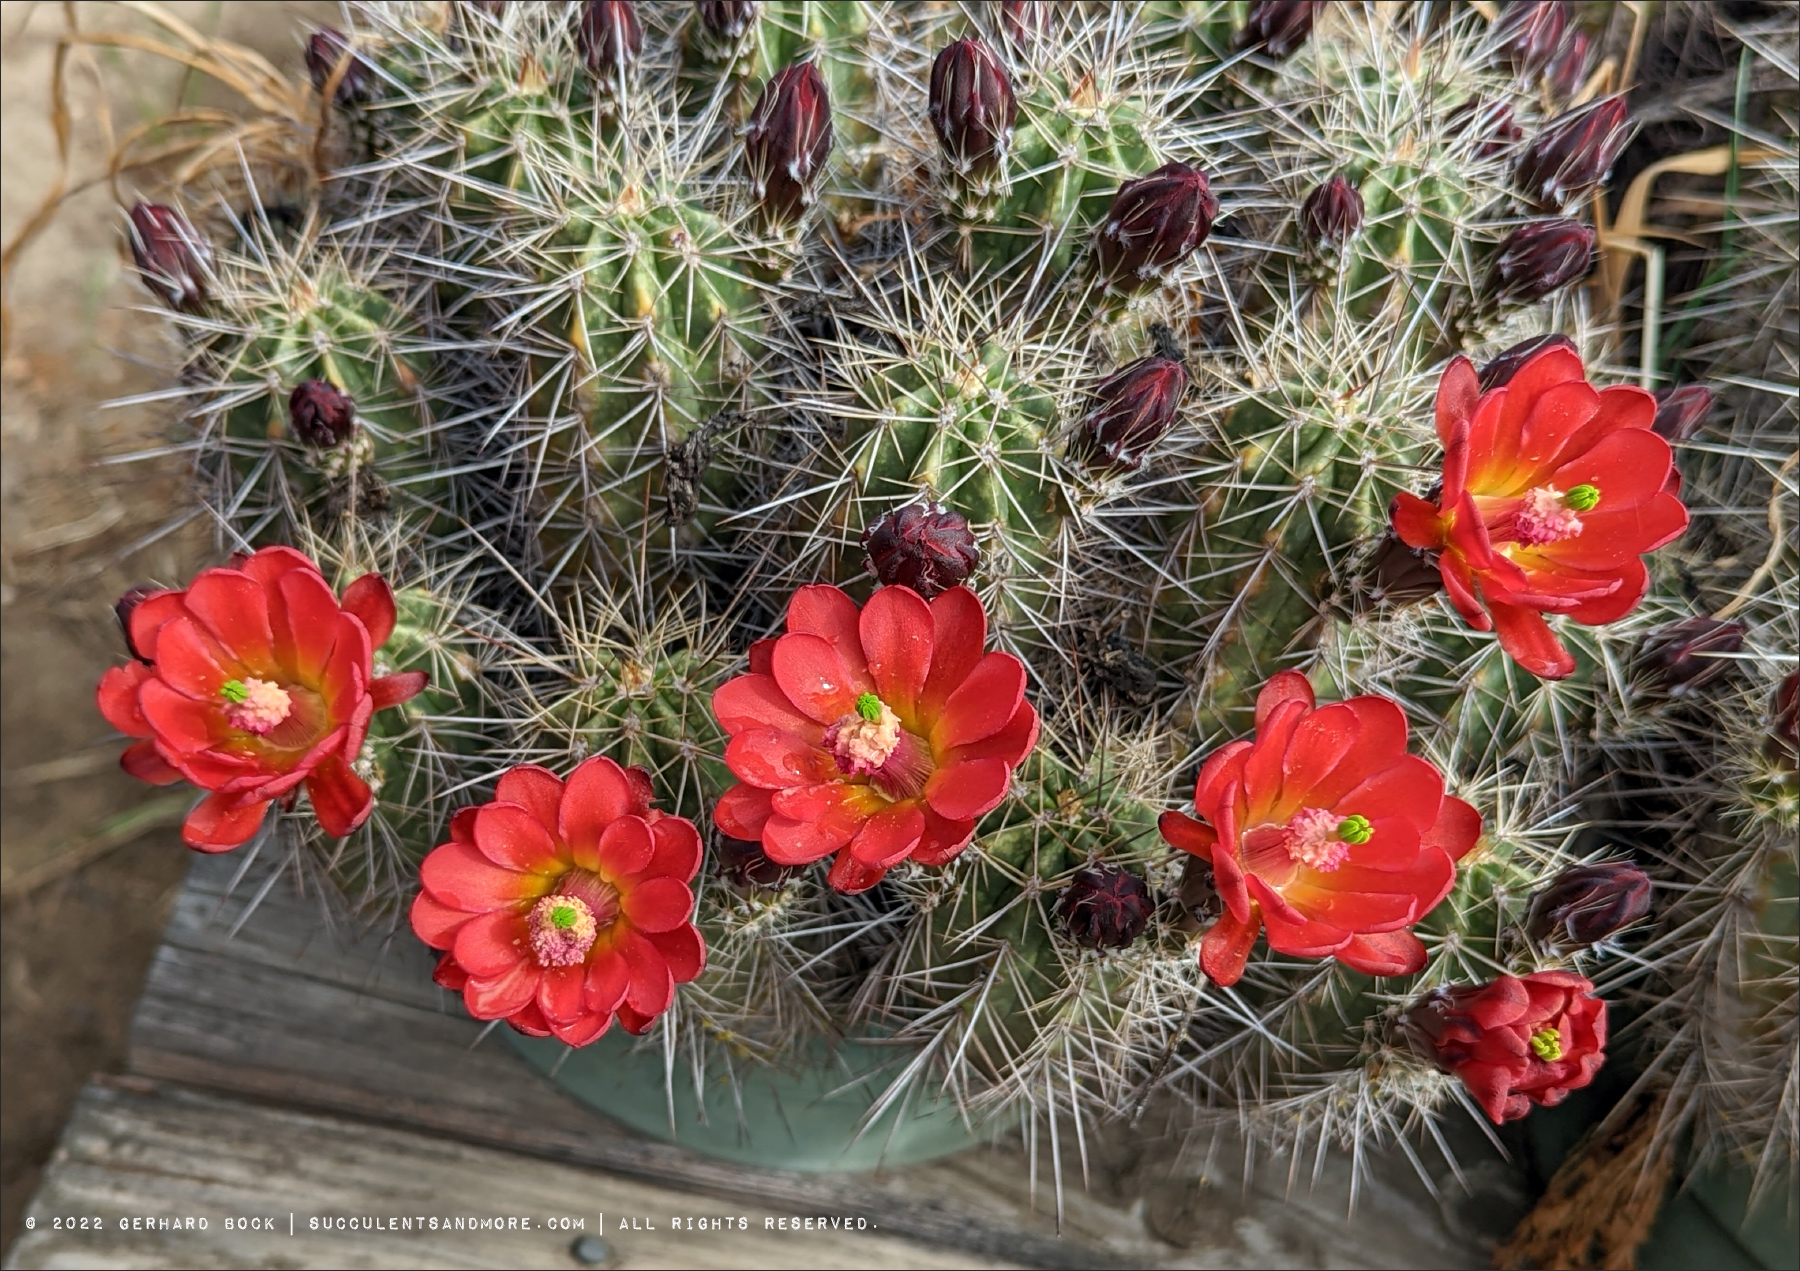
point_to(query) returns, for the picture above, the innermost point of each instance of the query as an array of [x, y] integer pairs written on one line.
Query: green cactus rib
[[318, 323]]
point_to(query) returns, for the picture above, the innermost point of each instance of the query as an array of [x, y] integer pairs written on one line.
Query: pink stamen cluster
[[864, 739], [257, 706], [562, 929], [1545, 517], [1312, 840]]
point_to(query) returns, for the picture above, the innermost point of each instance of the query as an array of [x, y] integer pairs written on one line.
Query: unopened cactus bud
[[1530, 32], [1540, 258], [1784, 725], [789, 140], [1684, 657], [728, 21], [1498, 372], [172, 258], [1278, 27], [610, 36], [923, 546], [1568, 70], [124, 607], [1681, 411], [1491, 122], [322, 414], [1331, 214], [1023, 23], [1585, 904], [1574, 153], [1155, 223], [1105, 907], [972, 106], [746, 866], [1134, 408], [327, 47]]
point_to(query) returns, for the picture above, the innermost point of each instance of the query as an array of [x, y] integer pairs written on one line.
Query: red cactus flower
[[1552, 492], [1516, 1041], [881, 734], [252, 681], [1324, 831], [562, 905]]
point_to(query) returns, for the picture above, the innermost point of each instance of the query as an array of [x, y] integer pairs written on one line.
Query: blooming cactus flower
[[252, 681], [1552, 492], [880, 734], [562, 905], [1516, 1041], [1324, 831]]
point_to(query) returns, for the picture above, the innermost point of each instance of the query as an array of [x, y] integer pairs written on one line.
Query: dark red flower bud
[[1574, 152], [123, 608], [1784, 731], [610, 37], [1331, 213], [1491, 121], [1155, 223], [172, 258], [1105, 907], [789, 140], [1686, 656], [972, 106], [1278, 27], [1681, 411], [1134, 408], [1498, 372], [1585, 904], [1023, 22], [923, 546], [1530, 32], [728, 20], [1568, 70], [1402, 575], [1540, 258], [324, 51], [322, 414], [745, 865]]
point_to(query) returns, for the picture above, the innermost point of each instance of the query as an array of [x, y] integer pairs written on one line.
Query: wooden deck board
[[343, 1034]]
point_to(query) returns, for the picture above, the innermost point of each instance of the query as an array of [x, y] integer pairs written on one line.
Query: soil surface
[[85, 896]]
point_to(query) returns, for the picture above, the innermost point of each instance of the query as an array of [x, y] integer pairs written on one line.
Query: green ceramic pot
[[812, 1118]]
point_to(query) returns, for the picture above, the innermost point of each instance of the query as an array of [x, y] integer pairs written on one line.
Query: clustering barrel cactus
[[1142, 322]]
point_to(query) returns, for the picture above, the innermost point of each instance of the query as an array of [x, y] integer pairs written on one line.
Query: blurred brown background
[[89, 859]]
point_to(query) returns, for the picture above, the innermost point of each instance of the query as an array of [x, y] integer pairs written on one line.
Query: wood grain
[[277, 1015]]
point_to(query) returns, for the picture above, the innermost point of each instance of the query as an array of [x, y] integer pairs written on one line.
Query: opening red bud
[[1134, 409]]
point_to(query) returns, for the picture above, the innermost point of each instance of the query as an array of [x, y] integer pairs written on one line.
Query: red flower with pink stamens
[[1553, 490], [1325, 832], [254, 681], [563, 905], [880, 734], [1515, 1041]]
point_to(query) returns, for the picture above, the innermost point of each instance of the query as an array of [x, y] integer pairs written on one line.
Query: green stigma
[[563, 916], [1546, 1044], [869, 707], [234, 692], [1583, 498], [1355, 830]]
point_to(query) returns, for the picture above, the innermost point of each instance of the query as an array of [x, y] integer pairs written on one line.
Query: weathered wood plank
[[350, 1025], [181, 1158]]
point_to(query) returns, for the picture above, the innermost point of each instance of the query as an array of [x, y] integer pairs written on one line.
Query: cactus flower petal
[[878, 734], [1324, 832], [250, 682], [1570, 487], [559, 936]]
